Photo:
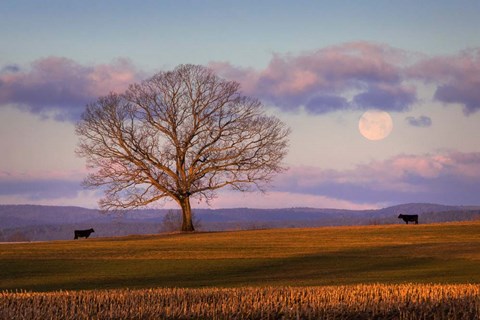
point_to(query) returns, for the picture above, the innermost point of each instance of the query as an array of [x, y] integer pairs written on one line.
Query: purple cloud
[[388, 98], [40, 189], [460, 93], [456, 78], [421, 122], [358, 76], [61, 86], [451, 178], [10, 68], [326, 103], [41, 185], [351, 76], [322, 80]]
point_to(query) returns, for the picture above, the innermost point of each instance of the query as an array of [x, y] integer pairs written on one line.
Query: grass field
[[394, 254]]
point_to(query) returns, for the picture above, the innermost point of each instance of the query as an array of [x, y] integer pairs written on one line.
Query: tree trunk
[[187, 224]]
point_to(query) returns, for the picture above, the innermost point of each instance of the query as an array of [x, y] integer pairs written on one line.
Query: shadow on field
[[389, 264]]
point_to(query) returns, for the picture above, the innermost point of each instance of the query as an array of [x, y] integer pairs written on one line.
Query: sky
[[317, 65]]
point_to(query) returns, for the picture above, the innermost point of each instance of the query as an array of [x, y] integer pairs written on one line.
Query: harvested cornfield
[[408, 301]]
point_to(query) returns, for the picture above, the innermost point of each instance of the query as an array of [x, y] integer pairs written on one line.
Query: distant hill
[[34, 223]]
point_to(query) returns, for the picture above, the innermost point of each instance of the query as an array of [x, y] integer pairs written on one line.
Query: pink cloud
[[360, 75], [451, 177], [426, 166], [63, 86], [443, 177], [351, 76], [374, 71], [116, 77]]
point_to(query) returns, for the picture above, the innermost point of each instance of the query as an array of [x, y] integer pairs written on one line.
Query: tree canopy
[[180, 134]]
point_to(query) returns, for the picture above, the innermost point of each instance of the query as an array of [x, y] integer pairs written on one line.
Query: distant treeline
[[157, 221]]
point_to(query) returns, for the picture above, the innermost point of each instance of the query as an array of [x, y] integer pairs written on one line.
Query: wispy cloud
[[62, 86]]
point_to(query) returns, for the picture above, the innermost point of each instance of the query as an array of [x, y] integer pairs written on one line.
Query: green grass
[[441, 253]]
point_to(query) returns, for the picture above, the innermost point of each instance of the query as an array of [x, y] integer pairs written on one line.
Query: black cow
[[83, 233], [409, 217]]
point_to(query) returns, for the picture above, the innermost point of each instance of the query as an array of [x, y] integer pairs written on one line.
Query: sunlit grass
[[442, 253]]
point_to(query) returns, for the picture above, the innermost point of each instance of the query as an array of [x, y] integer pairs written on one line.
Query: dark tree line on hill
[[12, 229]]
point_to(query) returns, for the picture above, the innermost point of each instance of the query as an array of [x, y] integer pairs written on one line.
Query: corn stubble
[[378, 301]]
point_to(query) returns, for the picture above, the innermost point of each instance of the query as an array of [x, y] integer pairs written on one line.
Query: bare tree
[[172, 221], [180, 134]]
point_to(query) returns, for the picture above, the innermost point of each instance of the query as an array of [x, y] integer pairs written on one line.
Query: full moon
[[375, 124]]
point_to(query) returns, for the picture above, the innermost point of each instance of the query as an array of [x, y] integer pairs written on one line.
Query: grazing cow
[[83, 233], [409, 217]]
